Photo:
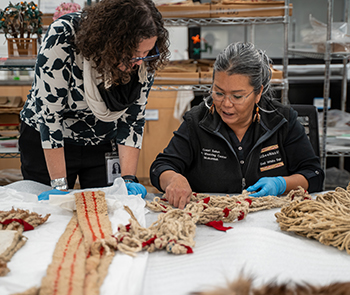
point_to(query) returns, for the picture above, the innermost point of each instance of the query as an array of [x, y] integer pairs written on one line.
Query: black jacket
[[201, 150]]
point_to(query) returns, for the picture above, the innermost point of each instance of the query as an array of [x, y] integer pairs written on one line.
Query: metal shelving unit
[[198, 22], [17, 64], [281, 84], [328, 56], [247, 21], [4, 154], [14, 65], [278, 84]]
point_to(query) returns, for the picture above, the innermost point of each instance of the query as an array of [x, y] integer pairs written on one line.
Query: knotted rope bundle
[[20, 220], [17, 221], [326, 218], [173, 231], [204, 208], [226, 208]]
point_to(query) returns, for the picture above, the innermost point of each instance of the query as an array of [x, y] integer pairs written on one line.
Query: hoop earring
[[211, 109], [257, 115]]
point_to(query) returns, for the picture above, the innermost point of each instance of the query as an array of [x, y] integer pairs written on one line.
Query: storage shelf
[[318, 55], [195, 22], [276, 85], [11, 64], [9, 153], [171, 20], [281, 84], [338, 153], [197, 87]]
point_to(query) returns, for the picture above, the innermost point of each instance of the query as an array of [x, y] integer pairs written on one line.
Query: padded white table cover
[[255, 246]]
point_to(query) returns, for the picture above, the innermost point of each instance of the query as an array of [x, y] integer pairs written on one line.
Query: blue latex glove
[[268, 186], [45, 195], [135, 189]]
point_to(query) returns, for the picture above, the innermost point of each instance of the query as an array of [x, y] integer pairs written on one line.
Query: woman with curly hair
[[86, 108]]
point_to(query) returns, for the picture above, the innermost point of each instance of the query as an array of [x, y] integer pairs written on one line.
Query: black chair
[[308, 117]]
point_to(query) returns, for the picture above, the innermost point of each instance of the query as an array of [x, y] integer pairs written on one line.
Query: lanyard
[[114, 146]]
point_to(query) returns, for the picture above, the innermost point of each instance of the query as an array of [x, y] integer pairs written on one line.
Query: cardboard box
[[176, 78], [254, 9], [9, 119], [206, 76], [335, 47], [185, 11], [179, 72], [47, 19], [276, 74]]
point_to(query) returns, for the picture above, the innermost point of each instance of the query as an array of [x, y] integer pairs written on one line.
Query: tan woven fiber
[[94, 222], [4, 270], [175, 229], [66, 273], [84, 251], [31, 218], [31, 291], [236, 203], [326, 218], [34, 219], [18, 241]]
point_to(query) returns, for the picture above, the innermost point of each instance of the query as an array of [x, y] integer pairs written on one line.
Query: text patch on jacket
[[270, 158], [212, 154]]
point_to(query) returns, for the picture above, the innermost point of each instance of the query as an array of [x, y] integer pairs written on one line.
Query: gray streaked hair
[[244, 59]]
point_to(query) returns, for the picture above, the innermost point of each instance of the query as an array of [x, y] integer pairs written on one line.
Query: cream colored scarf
[[93, 97]]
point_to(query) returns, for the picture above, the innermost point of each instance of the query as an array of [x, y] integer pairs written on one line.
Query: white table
[[255, 245]]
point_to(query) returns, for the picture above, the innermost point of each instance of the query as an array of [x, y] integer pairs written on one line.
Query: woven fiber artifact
[[175, 229], [326, 218], [84, 251], [12, 224]]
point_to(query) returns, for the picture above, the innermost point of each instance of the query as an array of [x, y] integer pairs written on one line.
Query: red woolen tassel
[[226, 211], [26, 225], [149, 242], [240, 217], [219, 225]]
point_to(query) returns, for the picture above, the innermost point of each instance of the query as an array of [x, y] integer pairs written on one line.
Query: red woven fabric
[[26, 225]]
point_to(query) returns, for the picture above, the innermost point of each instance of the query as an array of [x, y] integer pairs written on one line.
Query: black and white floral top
[[56, 106]]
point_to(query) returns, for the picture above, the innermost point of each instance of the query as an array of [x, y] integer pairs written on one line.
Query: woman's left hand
[[46, 195], [136, 189], [268, 186]]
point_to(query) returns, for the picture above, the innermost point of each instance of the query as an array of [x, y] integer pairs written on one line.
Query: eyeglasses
[[148, 57], [234, 98]]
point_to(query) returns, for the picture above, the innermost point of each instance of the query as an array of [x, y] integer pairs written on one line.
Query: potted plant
[[21, 22]]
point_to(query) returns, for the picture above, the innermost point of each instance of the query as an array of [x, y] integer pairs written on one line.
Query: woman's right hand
[[177, 189]]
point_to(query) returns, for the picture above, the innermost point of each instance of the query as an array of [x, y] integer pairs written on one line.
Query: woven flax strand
[[326, 218]]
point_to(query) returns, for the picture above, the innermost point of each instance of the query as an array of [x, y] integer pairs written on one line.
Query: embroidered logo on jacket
[[212, 154], [270, 158]]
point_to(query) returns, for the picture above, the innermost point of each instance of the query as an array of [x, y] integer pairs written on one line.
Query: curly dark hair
[[111, 30]]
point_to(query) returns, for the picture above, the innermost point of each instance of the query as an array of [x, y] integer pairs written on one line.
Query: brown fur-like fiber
[[244, 286]]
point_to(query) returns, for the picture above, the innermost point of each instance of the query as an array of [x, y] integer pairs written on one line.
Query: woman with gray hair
[[238, 138]]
